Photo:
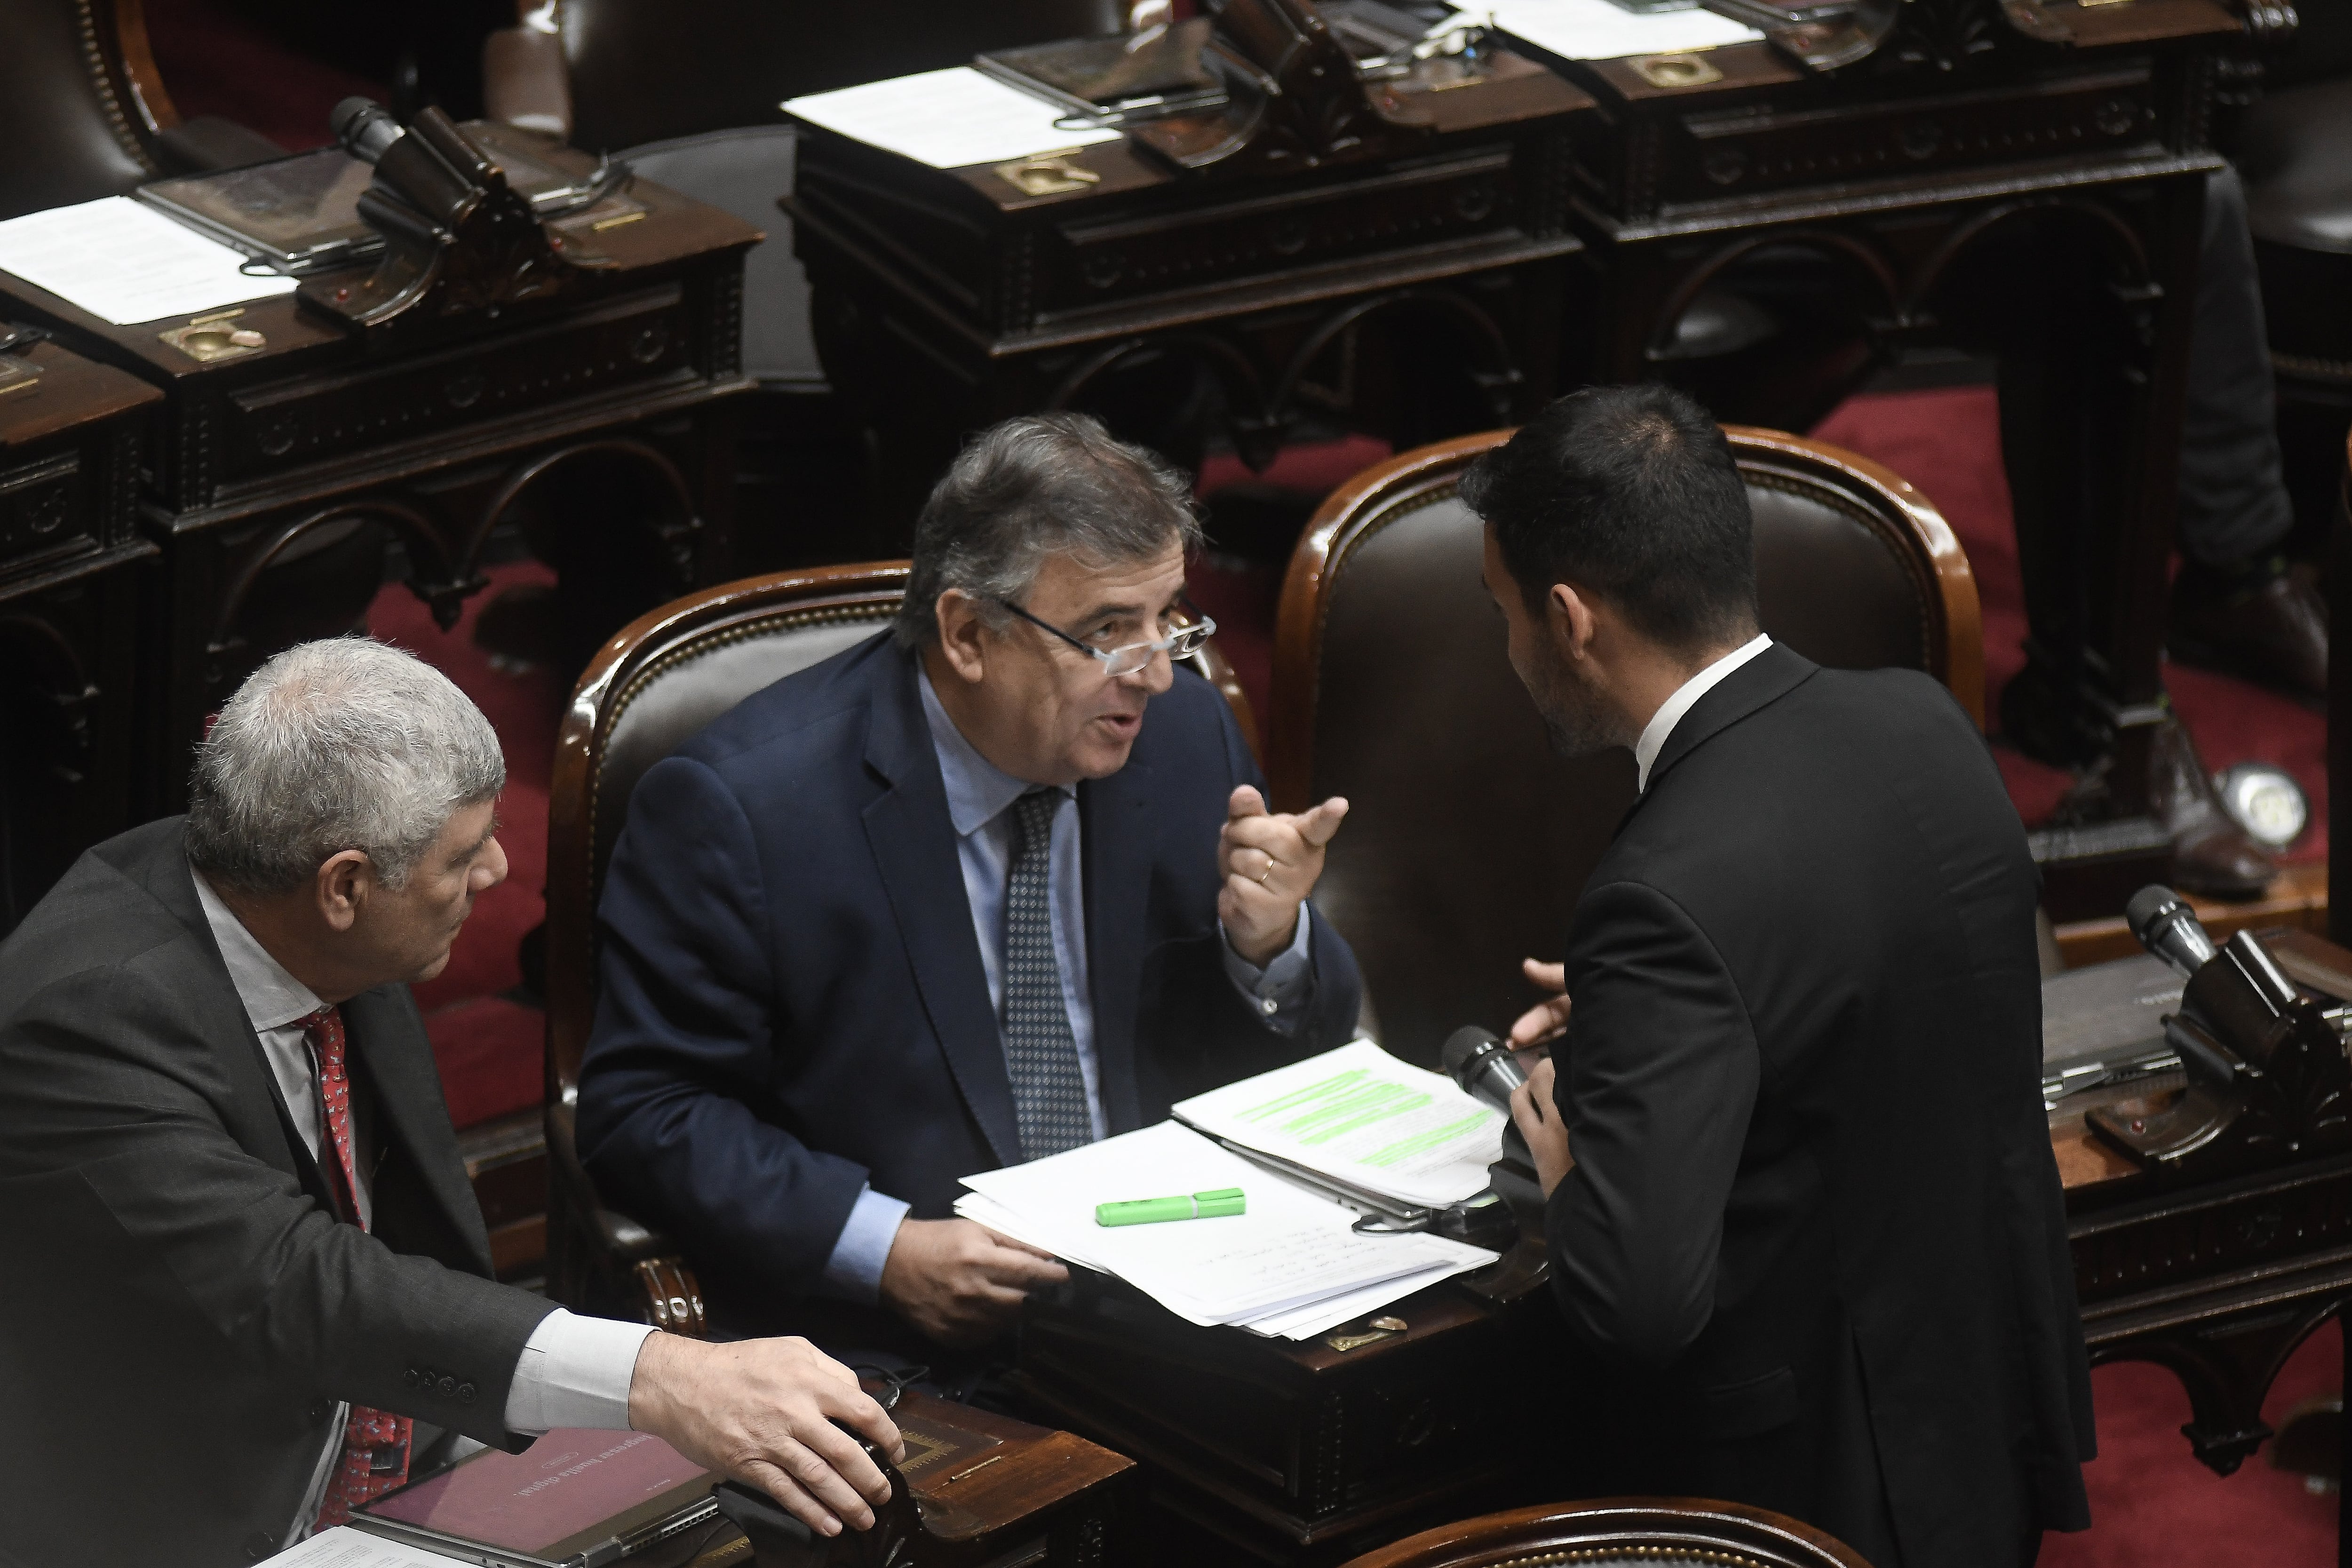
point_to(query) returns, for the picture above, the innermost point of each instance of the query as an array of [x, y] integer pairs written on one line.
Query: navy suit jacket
[[792, 1000]]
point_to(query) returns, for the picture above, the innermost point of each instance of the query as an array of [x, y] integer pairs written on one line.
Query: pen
[[1217, 1204]]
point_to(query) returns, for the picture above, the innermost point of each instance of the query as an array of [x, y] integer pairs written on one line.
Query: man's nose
[[1156, 676], [493, 868]]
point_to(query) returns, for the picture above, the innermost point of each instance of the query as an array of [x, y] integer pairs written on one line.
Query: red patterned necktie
[[374, 1456]]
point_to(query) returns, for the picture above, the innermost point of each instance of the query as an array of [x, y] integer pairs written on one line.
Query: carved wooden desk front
[[1423, 285], [602, 405], [71, 561]]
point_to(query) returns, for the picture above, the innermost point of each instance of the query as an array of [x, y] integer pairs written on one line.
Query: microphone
[[1483, 1065], [2169, 928], [367, 129]]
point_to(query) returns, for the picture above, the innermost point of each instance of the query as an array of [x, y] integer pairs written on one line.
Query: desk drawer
[[47, 512], [1664, 163], [280, 426]]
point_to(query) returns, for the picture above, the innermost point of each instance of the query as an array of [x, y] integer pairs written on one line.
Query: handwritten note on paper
[[1598, 30], [124, 262], [1360, 1115], [948, 119]]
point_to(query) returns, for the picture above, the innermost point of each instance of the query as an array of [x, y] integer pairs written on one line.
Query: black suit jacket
[[793, 1001], [1813, 1251], [183, 1310]]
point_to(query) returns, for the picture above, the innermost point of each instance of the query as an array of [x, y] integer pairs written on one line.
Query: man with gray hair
[[995, 883], [264, 1285]]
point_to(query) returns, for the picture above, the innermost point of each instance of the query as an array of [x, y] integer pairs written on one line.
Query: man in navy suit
[[992, 884]]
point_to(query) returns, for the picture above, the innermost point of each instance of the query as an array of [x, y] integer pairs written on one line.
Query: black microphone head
[[1483, 1065], [1462, 1044], [2148, 906], [365, 127], [2169, 928]]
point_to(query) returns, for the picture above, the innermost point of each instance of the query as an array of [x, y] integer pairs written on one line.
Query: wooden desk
[[2026, 179], [436, 436], [2219, 1281], [1422, 292], [72, 566], [1300, 1452]]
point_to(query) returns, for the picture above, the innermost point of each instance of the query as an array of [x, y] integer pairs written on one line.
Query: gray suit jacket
[[183, 1309]]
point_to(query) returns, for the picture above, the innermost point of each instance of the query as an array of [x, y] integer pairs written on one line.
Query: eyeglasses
[[1181, 643]]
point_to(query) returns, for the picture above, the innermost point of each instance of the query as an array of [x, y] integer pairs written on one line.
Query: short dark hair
[[1631, 493], [1043, 484]]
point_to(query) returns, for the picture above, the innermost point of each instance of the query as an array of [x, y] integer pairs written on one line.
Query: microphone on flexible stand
[[1483, 1065]]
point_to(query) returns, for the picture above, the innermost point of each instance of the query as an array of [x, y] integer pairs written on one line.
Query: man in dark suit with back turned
[[992, 884], [248, 1287], [1805, 1225]]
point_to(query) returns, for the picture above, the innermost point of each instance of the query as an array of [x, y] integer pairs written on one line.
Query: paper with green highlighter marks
[[1360, 1115], [1222, 1204]]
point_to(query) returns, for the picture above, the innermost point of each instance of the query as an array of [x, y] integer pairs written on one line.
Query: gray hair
[[1043, 484], [335, 745]]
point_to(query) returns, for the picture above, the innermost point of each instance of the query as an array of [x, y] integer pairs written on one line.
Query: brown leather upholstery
[[2297, 158], [1620, 1532], [1467, 839], [658, 680], [646, 73]]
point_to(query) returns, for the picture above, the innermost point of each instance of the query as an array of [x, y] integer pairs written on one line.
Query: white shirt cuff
[[575, 1372], [1280, 992], [853, 1272]]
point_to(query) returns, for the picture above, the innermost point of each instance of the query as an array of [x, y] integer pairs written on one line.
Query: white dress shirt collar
[[1670, 712], [272, 997]]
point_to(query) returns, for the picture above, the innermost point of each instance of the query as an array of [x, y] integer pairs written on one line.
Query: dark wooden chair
[[1620, 1532], [658, 680], [1468, 838], [83, 111]]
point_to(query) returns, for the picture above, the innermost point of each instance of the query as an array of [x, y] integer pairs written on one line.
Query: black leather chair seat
[[2296, 157]]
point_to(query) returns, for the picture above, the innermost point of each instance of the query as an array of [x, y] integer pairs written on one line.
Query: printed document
[[1291, 1249], [125, 262], [343, 1547], [1598, 30], [1363, 1117], [948, 119]]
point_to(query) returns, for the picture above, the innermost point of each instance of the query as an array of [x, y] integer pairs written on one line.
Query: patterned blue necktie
[[1049, 1093]]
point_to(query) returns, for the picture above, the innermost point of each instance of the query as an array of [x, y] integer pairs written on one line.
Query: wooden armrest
[[526, 82]]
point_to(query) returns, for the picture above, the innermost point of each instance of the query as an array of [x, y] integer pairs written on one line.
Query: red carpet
[[2154, 1505]]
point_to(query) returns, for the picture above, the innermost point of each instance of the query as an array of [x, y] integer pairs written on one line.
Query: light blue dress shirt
[[977, 792]]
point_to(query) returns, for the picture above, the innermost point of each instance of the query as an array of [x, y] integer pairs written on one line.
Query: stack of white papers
[[125, 262], [1364, 1118], [949, 118], [1598, 30], [1292, 1265], [343, 1547]]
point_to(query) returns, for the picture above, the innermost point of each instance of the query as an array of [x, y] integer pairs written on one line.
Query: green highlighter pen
[[1151, 1211]]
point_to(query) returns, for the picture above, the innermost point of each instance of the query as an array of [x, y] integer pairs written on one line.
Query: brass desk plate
[[17, 374], [1047, 173], [210, 337], [1675, 71]]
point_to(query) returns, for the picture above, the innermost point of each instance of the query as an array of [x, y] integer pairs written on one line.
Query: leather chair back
[[660, 679], [80, 102], [645, 73], [1468, 840], [1621, 1532]]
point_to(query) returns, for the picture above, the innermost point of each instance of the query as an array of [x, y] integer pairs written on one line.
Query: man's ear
[[1568, 614], [961, 641], [342, 886]]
